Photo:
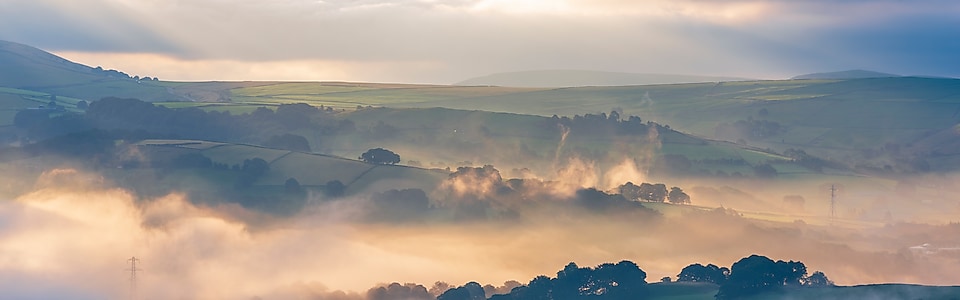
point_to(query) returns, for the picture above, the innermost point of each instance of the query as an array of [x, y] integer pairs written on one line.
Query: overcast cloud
[[445, 41]]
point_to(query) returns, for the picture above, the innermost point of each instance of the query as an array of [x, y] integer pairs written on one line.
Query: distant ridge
[[849, 74], [23, 66], [576, 78], [28, 68]]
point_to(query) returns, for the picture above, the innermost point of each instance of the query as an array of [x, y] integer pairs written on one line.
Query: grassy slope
[[506, 134], [308, 169], [28, 68], [832, 118]]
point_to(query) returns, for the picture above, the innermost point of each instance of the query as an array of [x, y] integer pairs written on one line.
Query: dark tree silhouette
[[750, 275], [396, 291], [601, 202], [251, 170], [756, 274], [292, 186], [630, 191], [623, 280], [700, 273], [296, 115], [653, 192], [677, 196], [817, 279], [469, 291], [334, 188], [380, 156]]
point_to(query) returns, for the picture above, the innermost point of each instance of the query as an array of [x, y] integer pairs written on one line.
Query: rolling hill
[[878, 123], [575, 78], [29, 68], [307, 168], [854, 120]]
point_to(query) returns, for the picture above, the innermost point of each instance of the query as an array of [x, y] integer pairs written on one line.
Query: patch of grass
[[398, 177], [236, 154], [188, 144], [314, 169], [296, 88]]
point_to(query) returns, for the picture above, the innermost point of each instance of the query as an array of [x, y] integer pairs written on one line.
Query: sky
[[447, 41]]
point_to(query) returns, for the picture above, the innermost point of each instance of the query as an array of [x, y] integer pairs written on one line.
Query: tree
[[653, 192], [630, 191], [334, 188], [756, 274], [380, 156], [791, 272], [292, 186], [750, 275], [623, 280], [395, 290], [251, 170], [677, 196], [700, 273], [469, 291], [817, 279], [296, 115]]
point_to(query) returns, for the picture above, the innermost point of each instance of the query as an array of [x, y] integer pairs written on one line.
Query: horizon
[[444, 42]]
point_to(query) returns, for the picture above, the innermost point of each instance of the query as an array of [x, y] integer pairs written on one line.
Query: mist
[[70, 236]]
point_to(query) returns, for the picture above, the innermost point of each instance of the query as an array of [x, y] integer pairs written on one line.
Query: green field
[[309, 169], [835, 118]]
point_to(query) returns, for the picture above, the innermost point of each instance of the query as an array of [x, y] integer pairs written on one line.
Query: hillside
[[22, 66], [877, 124], [859, 121], [285, 164], [29, 68], [575, 78]]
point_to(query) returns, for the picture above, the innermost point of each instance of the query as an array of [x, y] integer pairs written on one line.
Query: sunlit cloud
[[467, 38], [169, 67]]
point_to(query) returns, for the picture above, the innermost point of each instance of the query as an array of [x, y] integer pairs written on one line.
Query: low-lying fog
[[71, 236]]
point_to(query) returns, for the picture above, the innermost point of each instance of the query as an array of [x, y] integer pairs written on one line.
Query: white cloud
[[465, 38]]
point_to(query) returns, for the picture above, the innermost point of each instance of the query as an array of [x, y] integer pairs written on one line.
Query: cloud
[[71, 235], [466, 38]]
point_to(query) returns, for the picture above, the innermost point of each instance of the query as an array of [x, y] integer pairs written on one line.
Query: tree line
[[623, 280]]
